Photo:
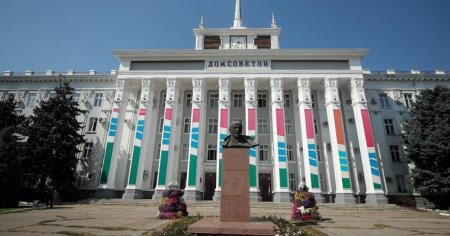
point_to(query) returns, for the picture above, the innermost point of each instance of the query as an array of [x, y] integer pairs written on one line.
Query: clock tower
[[237, 37]]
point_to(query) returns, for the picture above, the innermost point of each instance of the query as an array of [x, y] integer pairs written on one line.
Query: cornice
[[406, 77], [53, 78]]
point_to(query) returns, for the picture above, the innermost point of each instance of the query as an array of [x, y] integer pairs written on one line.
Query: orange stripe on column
[[338, 125]]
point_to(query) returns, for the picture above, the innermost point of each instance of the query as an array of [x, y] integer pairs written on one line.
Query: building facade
[[319, 118]]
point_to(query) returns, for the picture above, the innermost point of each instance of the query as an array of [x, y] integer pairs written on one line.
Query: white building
[[317, 115]]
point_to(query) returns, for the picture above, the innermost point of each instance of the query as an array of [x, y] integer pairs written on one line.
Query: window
[[292, 184], [262, 100], [87, 152], [322, 184], [287, 100], [263, 126], [188, 99], [408, 100], [163, 100], [213, 100], [395, 154], [389, 125], [212, 126], [316, 128], [290, 152], [31, 100], [212, 152], [158, 151], [92, 124], [319, 158], [161, 124], [187, 125], [237, 99], [76, 97], [263, 42], [98, 98], [401, 183], [288, 125], [384, 100], [312, 100], [185, 152], [212, 42], [263, 152]]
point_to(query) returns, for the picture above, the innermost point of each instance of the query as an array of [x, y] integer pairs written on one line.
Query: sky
[[81, 34]]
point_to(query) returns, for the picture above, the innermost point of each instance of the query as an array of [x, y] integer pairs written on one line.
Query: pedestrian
[[49, 196]]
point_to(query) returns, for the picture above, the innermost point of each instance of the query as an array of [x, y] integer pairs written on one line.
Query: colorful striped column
[[279, 143], [251, 131], [341, 150], [312, 162], [372, 155], [223, 131], [165, 145], [137, 145], [110, 143], [193, 148]]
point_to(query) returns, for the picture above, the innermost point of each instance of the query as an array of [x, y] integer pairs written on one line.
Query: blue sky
[[81, 34]]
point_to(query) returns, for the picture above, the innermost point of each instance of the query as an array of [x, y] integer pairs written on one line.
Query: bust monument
[[236, 139]]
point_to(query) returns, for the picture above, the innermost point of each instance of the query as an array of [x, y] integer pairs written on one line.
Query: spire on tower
[[274, 23], [237, 15], [201, 25]]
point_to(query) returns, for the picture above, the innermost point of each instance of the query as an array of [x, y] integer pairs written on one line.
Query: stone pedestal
[[344, 198], [133, 194], [192, 195], [376, 199], [235, 194], [234, 201]]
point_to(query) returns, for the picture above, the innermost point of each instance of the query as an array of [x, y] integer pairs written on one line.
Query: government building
[[319, 118]]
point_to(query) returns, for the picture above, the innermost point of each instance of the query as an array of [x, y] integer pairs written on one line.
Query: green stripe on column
[[220, 173], [314, 181], [252, 175], [163, 168], [283, 178], [346, 182], [377, 186], [107, 163], [134, 165], [192, 170]]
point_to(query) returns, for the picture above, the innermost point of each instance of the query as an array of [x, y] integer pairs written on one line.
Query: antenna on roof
[[237, 15]]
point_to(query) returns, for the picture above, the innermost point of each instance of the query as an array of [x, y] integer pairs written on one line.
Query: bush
[[177, 227]]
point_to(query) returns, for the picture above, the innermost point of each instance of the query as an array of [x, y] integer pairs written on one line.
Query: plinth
[[235, 200]]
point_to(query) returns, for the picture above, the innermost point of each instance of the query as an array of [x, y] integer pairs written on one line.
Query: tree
[[426, 139], [53, 137], [10, 169]]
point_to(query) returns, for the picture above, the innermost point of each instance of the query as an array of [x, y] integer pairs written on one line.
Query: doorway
[[265, 187], [210, 186]]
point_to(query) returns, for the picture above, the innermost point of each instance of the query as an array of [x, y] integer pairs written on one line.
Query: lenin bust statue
[[236, 139]]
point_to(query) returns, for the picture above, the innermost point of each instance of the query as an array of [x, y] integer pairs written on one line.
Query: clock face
[[238, 42]]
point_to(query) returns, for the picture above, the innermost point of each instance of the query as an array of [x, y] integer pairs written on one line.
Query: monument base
[[105, 193], [344, 198], [281, 197], [376, 199], [157, 195], [255, 197], [133, 194], [192, 195], [214, 226]]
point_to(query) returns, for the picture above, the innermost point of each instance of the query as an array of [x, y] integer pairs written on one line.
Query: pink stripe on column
[[196, 115], [367, 127], [251, 119], [168, 114], [223, 118], [280, 122], [309, 124], [142, 112], [116, 110]]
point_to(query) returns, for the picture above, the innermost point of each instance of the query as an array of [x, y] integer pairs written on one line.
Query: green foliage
[[177, 227], [53, 137], [10, 171], [285, 227], [426, 139]]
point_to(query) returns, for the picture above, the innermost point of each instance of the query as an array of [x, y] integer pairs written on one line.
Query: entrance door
[[265, 187], [183, 180], [210, 186]]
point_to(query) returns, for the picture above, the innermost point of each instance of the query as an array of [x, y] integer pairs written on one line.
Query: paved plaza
[[137, 217]]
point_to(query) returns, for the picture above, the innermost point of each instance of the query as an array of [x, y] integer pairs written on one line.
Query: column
[[374, 190], [167, 156], [196, 141], [310, 162], [224, 120], [343, 187], [135, 175], [280, 171], [106, 187], [250, 130]]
